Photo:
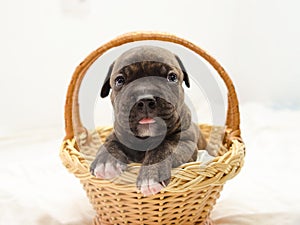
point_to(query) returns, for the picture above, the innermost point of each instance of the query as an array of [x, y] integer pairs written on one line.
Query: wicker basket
[[194, 188]]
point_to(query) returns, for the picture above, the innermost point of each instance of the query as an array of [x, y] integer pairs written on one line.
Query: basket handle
[[72, 118]]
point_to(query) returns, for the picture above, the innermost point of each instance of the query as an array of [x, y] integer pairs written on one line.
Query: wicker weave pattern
[[97, 221], [188, 199], [194, 187]]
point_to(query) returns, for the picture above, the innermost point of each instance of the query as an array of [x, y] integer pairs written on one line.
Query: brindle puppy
[[152, 123]]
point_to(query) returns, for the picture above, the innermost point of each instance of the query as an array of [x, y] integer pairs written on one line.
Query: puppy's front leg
[[173, 152], [155, 173], [110, 160]]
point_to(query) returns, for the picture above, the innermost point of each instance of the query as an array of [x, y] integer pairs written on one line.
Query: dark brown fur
[[160, 152]]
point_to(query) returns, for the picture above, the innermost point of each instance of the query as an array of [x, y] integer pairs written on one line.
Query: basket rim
[[215, 172]]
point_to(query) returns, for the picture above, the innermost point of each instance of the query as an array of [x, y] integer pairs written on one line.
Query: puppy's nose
[[146, 103]]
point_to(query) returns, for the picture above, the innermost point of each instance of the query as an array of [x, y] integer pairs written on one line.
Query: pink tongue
[[146, 121]]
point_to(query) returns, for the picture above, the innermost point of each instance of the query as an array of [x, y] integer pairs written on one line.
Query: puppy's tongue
[[146, 121]]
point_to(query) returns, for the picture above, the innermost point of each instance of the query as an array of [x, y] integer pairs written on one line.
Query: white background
[[42, 42]]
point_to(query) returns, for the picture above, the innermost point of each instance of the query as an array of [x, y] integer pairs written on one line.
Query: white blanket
[[36, 189]]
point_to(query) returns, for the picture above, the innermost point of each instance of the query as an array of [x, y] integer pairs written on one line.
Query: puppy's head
[[147, 93]]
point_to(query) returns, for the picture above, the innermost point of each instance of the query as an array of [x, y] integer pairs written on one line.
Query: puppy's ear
[[185, 75], [106, 85]]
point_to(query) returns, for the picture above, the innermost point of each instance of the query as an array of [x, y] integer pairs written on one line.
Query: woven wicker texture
[[194, 187]]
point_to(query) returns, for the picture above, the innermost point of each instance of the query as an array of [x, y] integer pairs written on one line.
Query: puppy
[[152, 123]]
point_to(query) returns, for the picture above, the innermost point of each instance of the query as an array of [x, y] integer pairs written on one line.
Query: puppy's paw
[[151, 181], [109, 170], [106, 166], [150, 187]]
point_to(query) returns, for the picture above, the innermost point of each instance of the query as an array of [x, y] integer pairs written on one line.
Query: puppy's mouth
[[146, 127], [147, 121]]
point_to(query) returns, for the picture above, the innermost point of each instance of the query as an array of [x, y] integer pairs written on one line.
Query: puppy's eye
[[119, 81], [172, 77]]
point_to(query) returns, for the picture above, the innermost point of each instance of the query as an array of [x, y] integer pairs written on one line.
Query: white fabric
[[36, 189], [204, 157]]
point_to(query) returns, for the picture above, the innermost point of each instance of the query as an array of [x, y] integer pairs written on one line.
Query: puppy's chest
[[134, 156]]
